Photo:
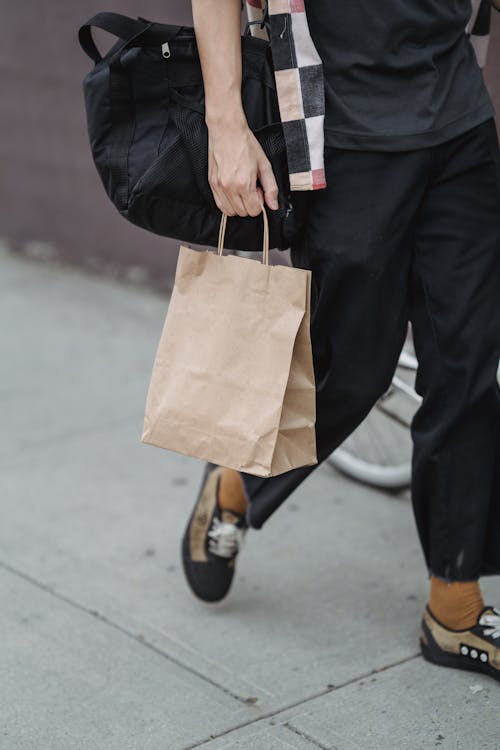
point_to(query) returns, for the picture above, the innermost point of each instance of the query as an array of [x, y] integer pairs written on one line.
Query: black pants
[[412, 236]]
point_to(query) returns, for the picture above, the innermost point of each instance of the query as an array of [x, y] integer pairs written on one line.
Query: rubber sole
[[434, 654]]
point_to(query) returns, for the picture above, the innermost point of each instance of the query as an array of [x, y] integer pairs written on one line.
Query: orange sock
[[457, 604], [231, 493]]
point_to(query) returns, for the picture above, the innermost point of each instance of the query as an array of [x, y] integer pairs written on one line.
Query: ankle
[[456, 604], [231, 494]]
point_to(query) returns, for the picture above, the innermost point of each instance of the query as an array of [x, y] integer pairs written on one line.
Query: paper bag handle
[[265, 241]]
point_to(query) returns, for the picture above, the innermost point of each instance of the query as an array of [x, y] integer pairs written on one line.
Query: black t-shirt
[[399, 74]]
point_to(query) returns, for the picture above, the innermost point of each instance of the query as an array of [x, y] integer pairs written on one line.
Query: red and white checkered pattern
[[299, 80]]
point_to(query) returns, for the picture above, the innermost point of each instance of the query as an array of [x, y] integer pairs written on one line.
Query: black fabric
[[114, 23], [399, 236], [398, 75], [149, 140]]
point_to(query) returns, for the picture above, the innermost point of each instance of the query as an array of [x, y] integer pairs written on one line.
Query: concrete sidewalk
[[102, 645]]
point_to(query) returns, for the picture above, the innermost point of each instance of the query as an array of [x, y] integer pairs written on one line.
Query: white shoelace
[[491, 623], [225, 539]]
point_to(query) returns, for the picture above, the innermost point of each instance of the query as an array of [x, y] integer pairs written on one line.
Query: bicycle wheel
[[379, 451]]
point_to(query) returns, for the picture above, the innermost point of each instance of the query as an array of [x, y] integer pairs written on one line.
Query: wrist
[[229, 117]]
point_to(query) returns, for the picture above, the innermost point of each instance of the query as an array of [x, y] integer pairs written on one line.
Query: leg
[[455, 311], [357, 243]]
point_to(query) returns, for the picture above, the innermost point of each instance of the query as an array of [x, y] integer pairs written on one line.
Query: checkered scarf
[[299, 79]]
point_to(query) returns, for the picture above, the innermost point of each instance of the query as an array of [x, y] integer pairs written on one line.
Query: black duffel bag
[[145, 114]]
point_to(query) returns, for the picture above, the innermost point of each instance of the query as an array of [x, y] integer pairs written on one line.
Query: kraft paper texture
[[233, 379]]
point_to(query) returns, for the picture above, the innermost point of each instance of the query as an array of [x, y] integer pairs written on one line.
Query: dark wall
[[49, 189]]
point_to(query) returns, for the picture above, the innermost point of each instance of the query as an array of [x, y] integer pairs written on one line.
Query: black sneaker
[[211, 542], [476, 649]]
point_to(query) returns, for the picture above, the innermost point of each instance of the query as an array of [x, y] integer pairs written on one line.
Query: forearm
[[218, 37]]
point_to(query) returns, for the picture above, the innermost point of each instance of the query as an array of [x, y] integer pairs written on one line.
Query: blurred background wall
[[52, 203]]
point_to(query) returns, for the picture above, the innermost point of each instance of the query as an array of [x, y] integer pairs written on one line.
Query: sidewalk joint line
[[303, 702], [111, 623], [308, 737], [141, 641]]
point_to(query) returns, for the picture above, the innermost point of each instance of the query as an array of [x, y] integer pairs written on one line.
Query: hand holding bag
[[233, 380], [145, 105]]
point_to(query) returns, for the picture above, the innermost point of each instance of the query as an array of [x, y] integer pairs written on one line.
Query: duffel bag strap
[[114, 23], [138, 32]]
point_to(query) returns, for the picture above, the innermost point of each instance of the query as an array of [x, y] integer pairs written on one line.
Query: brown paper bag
[[233, 380]]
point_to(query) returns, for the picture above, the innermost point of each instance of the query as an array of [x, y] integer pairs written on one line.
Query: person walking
[[404, 227]]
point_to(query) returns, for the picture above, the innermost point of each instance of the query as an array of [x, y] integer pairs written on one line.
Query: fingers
[[253, 201], [223, 200], [235, 169], [235, 197], [223, 189], [268, 182]]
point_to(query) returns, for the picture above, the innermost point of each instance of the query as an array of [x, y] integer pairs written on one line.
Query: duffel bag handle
[[137, 31]]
